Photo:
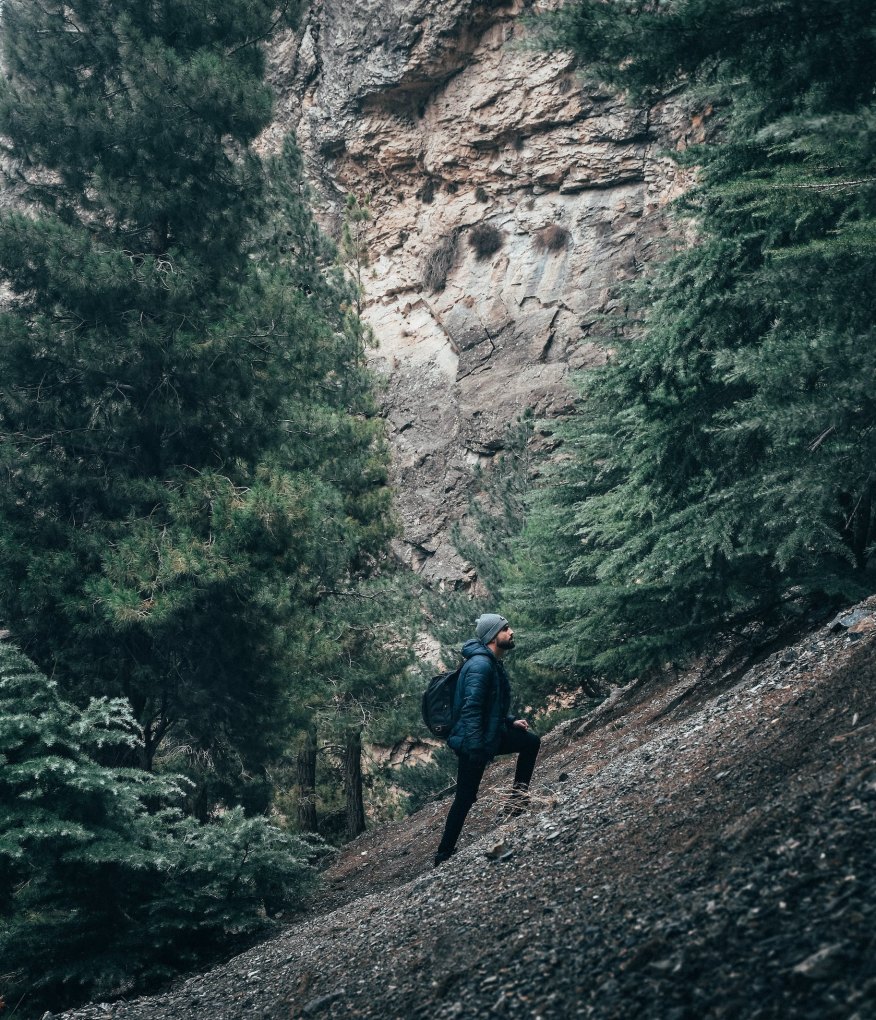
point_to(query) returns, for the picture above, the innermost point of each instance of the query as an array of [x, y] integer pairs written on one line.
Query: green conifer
[[722, 467], [105, 886], [188, 444]]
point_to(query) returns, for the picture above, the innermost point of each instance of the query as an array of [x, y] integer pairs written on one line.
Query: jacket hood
[[474, 646]]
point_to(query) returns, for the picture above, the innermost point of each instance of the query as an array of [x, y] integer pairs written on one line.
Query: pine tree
[[189, 448], [354, 244], [721, 468], [361, 669], [172, 893]]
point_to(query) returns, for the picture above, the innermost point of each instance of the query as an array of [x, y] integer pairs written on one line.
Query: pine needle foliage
[[721, 467], [105, 885], [189, 447]]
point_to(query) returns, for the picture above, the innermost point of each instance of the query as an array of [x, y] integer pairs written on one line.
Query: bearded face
[[505, 639]]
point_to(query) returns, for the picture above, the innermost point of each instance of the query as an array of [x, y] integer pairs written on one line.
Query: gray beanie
[[488, 626]]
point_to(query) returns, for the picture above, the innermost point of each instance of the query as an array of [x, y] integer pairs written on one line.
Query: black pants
[[515, 740]]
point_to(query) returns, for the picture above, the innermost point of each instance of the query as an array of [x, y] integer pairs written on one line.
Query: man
[[482, 726]]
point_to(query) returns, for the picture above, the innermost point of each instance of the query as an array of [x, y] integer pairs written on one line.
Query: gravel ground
[[705, 852]]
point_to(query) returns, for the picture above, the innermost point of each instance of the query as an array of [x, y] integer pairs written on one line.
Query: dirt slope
[[707, 852]]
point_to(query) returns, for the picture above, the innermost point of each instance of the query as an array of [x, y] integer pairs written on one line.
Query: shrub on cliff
[[439, 262], [485, 239], [554, 237], [104, 885]]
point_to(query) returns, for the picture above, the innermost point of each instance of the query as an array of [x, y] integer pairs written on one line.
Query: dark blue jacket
[[481, 704]]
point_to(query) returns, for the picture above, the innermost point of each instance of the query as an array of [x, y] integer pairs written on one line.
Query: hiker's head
[[495, 632]]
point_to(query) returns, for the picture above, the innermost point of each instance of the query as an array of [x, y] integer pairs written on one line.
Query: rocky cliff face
[[507, 200]]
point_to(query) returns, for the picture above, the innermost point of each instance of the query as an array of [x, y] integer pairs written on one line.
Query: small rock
[[863, 626], [499, 852], [820, 964], [323, 1000], [845, 621]]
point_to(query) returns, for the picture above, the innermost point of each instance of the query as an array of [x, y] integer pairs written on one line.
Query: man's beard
[[506, 643]]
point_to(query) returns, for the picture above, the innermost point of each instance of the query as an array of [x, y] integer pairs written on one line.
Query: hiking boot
[[518, 802], [442, 856]]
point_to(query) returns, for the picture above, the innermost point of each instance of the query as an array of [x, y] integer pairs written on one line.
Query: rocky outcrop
[[507, 201]]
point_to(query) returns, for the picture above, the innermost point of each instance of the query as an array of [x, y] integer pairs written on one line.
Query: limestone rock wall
[[438, 111]]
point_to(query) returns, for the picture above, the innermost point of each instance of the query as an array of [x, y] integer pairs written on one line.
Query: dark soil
[[706, 853]]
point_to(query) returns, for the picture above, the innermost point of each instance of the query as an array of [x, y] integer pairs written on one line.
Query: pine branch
[[824, 186]]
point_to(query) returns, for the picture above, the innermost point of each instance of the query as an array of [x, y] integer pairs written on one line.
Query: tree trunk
[[353, 783], [863, 527], [307, 783]]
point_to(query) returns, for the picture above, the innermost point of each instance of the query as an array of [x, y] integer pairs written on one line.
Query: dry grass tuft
[[485, 239], [553, 237], [439, 262]]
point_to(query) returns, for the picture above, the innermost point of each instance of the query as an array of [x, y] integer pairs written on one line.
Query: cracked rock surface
[[697, 849], [438, 112]]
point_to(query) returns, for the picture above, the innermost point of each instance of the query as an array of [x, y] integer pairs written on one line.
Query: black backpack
[[437, 704]]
